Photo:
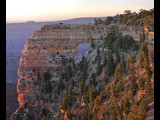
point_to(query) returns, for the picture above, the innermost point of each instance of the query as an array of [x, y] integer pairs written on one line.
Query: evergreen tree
[[141, 83], [117, 56], [133, 85], [65, 103], [95, 21], [43, 111], [126, 106], [47, 76], [110, 64], [92, 93], [122, 64], [99, 69], [120, 87], [113, 89], [95, 115], [85, 114], [105, 60], [107, 89], [143, 54], [148, 88], [142, 37], [109, 43], [48, 87], [81, 87], [142, 109], [128, 62], [100, 21], [44, 117], [92, 80], [117, 74], [69, 114]]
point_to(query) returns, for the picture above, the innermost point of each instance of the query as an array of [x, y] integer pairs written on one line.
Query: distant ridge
[[67, 21], [17, 33]]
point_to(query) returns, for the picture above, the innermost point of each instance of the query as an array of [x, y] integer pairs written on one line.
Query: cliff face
[[48, 48], [39, 54], [135, 32]]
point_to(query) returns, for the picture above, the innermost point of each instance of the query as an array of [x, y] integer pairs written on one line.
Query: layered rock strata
[[46, 50], [41, 51]]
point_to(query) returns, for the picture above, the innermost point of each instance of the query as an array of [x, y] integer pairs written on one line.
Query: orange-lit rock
[[39, 54]]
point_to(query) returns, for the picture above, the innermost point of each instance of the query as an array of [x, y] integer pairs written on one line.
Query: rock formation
[[40, 54], [47, 50]]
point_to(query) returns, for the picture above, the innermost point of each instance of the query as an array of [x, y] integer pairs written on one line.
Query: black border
[[3, 59]]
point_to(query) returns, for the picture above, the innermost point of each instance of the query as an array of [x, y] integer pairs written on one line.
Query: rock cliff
[[41, 51], [49, 48]]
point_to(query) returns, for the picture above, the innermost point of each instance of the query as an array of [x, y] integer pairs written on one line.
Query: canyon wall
[[40, 54], [47, 48]]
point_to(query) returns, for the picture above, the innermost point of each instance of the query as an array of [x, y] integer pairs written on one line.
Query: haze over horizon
[[54, 10]]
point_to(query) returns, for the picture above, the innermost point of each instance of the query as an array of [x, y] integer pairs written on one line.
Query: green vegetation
[[121, 88], [47, 76]]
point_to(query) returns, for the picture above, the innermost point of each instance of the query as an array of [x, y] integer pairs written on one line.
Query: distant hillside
[[12, 64]]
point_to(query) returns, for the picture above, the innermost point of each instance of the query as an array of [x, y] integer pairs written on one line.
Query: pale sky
[[50, 10]]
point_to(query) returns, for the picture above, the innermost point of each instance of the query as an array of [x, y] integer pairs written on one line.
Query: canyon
[[47, 49]]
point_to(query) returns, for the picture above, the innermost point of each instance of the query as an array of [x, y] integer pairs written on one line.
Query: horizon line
[[9, 22]]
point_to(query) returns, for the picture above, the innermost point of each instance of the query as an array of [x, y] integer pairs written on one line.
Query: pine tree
[[105, 60], [141, 83], [117, 74], [99, 69], [109, 43], [126, 106], [92, 80], [95, 115], [132, 61], [133, 85], [143, 54], [113, 89], [107, 89], [95, 21], [92, 93], [142, 109], [120, 87], [65, 103], [48, 87], [44, 117], [85, 114], [148, 88], [128, 62], [81, 87], [117, 56], [122, 64], [69, 114], [110, 64], [47, 76]]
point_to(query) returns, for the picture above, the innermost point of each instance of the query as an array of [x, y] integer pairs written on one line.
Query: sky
[[52, 10]]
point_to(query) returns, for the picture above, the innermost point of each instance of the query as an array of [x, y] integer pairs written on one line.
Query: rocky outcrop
[[135, 32], [45, 50], [48, 49]]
